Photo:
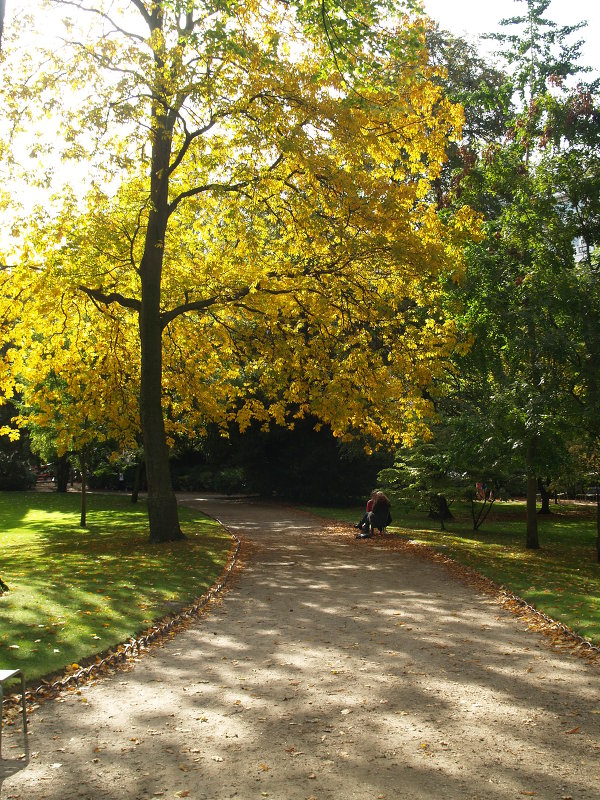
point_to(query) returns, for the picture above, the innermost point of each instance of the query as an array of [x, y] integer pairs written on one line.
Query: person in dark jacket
[[370, 503], [379, 516]]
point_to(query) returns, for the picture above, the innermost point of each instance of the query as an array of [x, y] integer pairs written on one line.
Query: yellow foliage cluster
[[302, 261], [72, 368]]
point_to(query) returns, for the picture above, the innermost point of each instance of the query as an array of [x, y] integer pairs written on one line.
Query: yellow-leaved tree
[[66, 364], [258, 230]]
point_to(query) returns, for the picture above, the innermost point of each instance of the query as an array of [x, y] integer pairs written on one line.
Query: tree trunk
[[480, 516], [439, 509], [532, 542], [62, 474], [598, 526], [544, 494], [137, 481], [162, 504], [83, 517]]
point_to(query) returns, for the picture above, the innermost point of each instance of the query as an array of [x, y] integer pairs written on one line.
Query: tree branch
[[104, 299], [142, 9], [202, 305], [107, 17], [189, 138], [208, 187]]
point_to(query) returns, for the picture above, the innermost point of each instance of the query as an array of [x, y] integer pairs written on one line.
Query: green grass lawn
[[562, 578], [75, 592]]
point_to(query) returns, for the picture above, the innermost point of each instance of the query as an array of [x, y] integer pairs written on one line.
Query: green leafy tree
[[523, 383], [539, 52], [17, 462], [522, 303]]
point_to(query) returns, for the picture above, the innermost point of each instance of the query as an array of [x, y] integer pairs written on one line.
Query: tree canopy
[[257, 238], [525, 391]]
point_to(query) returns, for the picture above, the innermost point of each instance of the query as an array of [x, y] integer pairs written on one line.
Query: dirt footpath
[[331, 669]]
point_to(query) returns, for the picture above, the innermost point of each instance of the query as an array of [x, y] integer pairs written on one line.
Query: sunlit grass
[[562, 578], [75, 592]]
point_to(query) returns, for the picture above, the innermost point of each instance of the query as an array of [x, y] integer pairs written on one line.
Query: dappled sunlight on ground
[[332, 668]]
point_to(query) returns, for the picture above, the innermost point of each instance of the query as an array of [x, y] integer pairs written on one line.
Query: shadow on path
[[332, 668]]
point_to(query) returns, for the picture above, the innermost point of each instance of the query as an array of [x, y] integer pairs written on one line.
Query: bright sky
[[474, 17]]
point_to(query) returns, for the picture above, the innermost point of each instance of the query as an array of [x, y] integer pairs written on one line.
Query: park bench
[[7, 675]]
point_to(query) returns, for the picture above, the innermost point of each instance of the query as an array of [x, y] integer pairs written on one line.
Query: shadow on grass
[[76, 592]]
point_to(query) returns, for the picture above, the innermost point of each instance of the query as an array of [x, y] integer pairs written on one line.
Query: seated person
[[360, 525], [378, 517]]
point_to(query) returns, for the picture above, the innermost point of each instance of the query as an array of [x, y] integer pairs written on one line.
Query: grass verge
[[562, 578], [75, 592]]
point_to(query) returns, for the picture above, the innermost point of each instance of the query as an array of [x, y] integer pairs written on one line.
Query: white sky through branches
[[476, 17], [470, 18]]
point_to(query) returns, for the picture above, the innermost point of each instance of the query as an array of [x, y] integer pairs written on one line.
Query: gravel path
[[331, 669]]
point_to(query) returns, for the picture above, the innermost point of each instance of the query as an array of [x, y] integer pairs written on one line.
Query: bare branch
[[105, 16]]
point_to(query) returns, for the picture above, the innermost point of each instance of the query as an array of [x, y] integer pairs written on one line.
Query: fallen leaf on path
[[183, 793], [573, 730], [264, 767], [529, 794]]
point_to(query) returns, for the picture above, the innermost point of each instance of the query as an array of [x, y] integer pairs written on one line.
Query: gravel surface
[[330, 669]]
